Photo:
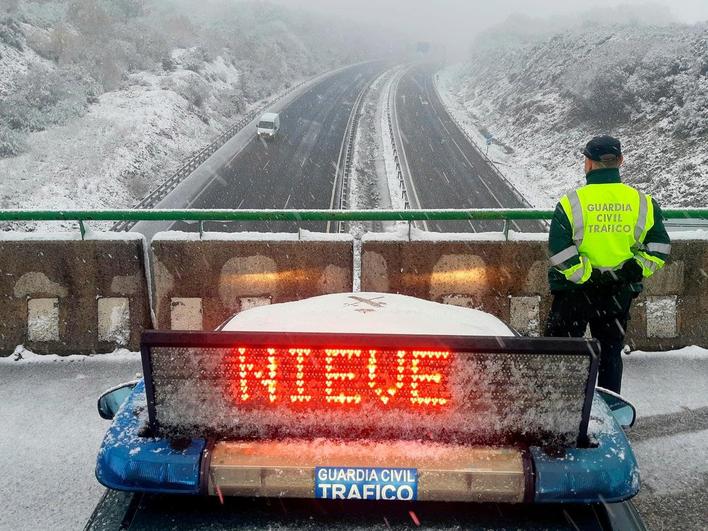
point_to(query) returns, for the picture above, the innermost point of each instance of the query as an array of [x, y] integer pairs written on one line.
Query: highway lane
[[298, 168], [446, 170]]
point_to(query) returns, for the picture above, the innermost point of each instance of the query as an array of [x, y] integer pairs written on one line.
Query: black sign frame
[[471, 344]]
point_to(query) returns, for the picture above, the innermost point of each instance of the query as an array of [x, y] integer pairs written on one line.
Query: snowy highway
[[52, 433], [297, 169], [300, 167], [446, 170]]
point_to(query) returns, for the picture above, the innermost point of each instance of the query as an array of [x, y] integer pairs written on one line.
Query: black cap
[[603, 148]]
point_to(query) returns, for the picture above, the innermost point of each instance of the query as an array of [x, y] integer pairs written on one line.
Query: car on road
[[268, 126], [375, 402]]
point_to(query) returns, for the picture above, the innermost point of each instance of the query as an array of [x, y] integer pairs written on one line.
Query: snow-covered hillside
[[543, 97], [100, 101]]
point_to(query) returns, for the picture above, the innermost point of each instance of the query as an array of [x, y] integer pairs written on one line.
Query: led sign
[[338, 377], [242, 385]]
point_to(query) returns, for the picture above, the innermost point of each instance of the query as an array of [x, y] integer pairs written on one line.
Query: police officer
[[605, 238]]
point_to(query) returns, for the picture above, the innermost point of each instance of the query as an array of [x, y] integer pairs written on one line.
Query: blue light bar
[[129, 462], [605, 472]]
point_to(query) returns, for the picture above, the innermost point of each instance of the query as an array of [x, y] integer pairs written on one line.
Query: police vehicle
[[365, 410]]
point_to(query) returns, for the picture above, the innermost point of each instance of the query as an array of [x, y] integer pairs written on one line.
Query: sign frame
[[453, 343]]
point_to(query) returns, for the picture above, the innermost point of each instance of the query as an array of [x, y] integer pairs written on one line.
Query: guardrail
[[452, 214], [507, 215], [197, 158], [348, 154], [396, 158], [493, 165]]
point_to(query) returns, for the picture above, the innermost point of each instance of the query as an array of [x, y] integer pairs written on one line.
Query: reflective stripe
[[647, 264], [577, 276], [565, 254], [663, 248], [642, 218], [582, 273], [577, 210]]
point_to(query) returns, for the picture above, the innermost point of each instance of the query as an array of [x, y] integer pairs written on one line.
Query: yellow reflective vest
[[608, 224]]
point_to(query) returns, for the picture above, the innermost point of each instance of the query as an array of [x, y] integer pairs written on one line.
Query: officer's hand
[[597, 278], [604, 278], [632, 271]]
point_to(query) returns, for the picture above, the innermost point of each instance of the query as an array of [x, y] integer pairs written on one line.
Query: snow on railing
[[390, 103], [299, 215], [451, 214], [347, 152]]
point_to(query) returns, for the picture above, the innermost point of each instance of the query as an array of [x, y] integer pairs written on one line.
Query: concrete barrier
[[198, 283], [63, 295], [509, 280], [60, 294]]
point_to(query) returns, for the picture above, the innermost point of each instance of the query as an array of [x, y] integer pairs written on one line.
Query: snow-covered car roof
[[368, 313]]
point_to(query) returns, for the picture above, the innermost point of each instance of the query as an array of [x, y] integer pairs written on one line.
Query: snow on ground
[[516, 169], [123, 147], [118, 139], [670, 437], [394, 186], [665, 382], [51, 433], [371, 166], [543, 97], [366, 188]]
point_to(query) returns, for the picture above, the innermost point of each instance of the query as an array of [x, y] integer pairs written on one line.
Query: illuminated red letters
[[338, 377], [257, 376]]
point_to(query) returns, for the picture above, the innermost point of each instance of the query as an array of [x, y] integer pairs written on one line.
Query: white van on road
[[268, 125]]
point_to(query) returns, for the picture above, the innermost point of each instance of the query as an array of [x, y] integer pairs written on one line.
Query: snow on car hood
[[368, 313]]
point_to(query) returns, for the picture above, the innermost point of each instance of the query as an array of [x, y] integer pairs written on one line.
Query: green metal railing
[[482, 214], [277, 215], [477, 214]]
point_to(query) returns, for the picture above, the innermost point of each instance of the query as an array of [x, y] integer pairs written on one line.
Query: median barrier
[[509, 280], [199, 282], [62, 294]]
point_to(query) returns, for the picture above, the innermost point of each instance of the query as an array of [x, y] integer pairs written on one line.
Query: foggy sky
[[455, 22]]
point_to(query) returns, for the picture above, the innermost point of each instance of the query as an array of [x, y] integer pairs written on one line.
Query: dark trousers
[[607, 313]]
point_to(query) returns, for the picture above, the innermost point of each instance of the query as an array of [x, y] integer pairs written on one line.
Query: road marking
[[472, 166], [228, 164], [397, 132], [284, 110], [350, 122]]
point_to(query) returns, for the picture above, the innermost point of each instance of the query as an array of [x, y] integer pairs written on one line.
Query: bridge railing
[[203, 215], [63, 295]]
